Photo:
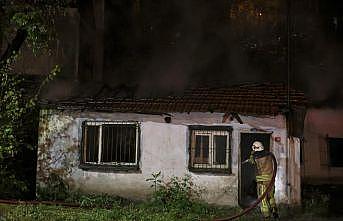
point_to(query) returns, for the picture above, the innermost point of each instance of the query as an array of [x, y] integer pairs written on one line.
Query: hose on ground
[[258, 200]]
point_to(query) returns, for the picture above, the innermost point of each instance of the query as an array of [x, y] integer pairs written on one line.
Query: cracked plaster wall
[[163, 146]]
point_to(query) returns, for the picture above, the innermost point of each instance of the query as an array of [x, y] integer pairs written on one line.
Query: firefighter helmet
[[257, 146]]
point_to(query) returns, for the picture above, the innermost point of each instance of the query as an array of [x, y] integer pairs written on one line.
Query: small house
[[112, 144]]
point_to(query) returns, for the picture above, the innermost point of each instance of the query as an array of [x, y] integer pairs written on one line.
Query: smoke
[[168, 46], [162, 47], [317, 46]]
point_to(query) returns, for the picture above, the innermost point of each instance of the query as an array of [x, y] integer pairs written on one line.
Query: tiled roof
[[255, 99]]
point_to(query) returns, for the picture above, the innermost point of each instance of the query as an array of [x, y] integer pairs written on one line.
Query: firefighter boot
[[267, 218], [276, 216], [275, 213]]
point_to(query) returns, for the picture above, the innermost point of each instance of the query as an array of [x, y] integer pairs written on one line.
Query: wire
[[288, 52]]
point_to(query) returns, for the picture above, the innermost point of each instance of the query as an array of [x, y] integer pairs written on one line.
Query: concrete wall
[[319, 124], [164, 147]]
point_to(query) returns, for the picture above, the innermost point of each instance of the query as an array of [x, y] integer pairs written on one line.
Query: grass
[[145, 212], [132, 211], [175, 200]]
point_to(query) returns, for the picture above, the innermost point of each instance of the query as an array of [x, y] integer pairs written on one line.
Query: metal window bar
[[121, 146], [136, 155], [100, 144], [216, 142], [116, 143], [90, 144]]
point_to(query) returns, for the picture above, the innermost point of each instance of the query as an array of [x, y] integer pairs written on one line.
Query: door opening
[[247, 182]]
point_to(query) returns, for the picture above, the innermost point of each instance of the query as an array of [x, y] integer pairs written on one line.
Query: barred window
[[112, 145], [335, 151], [210, 148]]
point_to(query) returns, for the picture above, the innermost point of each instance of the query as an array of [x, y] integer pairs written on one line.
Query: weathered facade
[[164, 141], [323, 144]]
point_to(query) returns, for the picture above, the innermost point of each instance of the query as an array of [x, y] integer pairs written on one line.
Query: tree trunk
[[15, 45]]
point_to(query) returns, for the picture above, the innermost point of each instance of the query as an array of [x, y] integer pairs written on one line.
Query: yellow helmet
[[257, 146]]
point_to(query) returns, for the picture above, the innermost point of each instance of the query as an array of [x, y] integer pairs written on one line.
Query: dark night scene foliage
[[171, 110]]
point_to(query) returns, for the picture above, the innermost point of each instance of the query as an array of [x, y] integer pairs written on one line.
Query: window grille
[[210, 148], [110, 144]]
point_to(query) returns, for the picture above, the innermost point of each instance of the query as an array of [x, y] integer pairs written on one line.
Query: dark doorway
[[247, 183]]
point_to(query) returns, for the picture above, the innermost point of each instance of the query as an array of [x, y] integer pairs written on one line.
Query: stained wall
[[163, 147]]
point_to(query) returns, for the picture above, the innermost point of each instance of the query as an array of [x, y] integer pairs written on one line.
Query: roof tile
[[257, 99]]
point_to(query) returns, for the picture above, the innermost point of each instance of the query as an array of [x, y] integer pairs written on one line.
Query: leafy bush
[[315, 201], [179, 194], [10, 186], [96, 200], [16, 109], [54, 189]]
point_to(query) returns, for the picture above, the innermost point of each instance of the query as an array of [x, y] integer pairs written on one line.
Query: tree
[[29, 22]]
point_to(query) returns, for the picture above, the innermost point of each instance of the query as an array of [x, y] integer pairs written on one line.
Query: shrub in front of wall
[[179, 194], [10, 186], [55, 189]]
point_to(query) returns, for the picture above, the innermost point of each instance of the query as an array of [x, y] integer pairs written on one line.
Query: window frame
[[211, 131], [329, 154], [109, 166]]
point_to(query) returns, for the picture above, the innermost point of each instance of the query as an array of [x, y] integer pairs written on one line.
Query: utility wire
[[288, 53]]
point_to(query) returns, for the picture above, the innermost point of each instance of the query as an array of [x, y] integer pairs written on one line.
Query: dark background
[[162, 47]]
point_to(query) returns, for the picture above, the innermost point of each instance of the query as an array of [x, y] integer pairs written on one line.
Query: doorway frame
[[271, 144]]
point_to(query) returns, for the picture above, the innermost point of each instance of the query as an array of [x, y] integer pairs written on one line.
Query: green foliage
[[15, 106], [12, 108], [33, 23], [37, 32], [155, 180], [315, 201], [55, 189], [115, 208], [136, 212], [129, 212], [36, 18], [174, 200], [11, 111], [101, 201], [179, 194], [10, 186]]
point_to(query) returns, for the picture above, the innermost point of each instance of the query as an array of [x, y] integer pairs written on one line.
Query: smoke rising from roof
[[162, 47]]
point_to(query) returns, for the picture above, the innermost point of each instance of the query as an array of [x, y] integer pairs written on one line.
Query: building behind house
[[322, 161]]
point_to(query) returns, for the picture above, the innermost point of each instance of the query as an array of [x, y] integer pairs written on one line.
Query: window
[[335, 152], [210, 148], [110, 145]]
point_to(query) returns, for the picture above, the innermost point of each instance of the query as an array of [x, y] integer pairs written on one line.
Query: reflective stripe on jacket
[[263, 178]]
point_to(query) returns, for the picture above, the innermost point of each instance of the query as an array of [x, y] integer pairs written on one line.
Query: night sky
[[162, 47]]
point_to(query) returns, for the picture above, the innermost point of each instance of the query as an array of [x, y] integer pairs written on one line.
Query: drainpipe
[[288, 184], [288, 113]]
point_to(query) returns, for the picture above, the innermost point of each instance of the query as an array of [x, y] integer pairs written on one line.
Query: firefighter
[[263, 162]]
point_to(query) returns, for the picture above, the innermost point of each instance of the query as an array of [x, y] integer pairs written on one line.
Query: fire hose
[[258, 200]]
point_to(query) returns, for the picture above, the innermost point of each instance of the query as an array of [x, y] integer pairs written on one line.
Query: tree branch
[[14, 46]]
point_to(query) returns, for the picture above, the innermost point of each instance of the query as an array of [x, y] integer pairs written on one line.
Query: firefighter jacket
[[264, 165]]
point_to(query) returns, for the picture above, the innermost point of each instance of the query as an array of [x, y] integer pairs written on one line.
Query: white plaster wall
[[164, 147]]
